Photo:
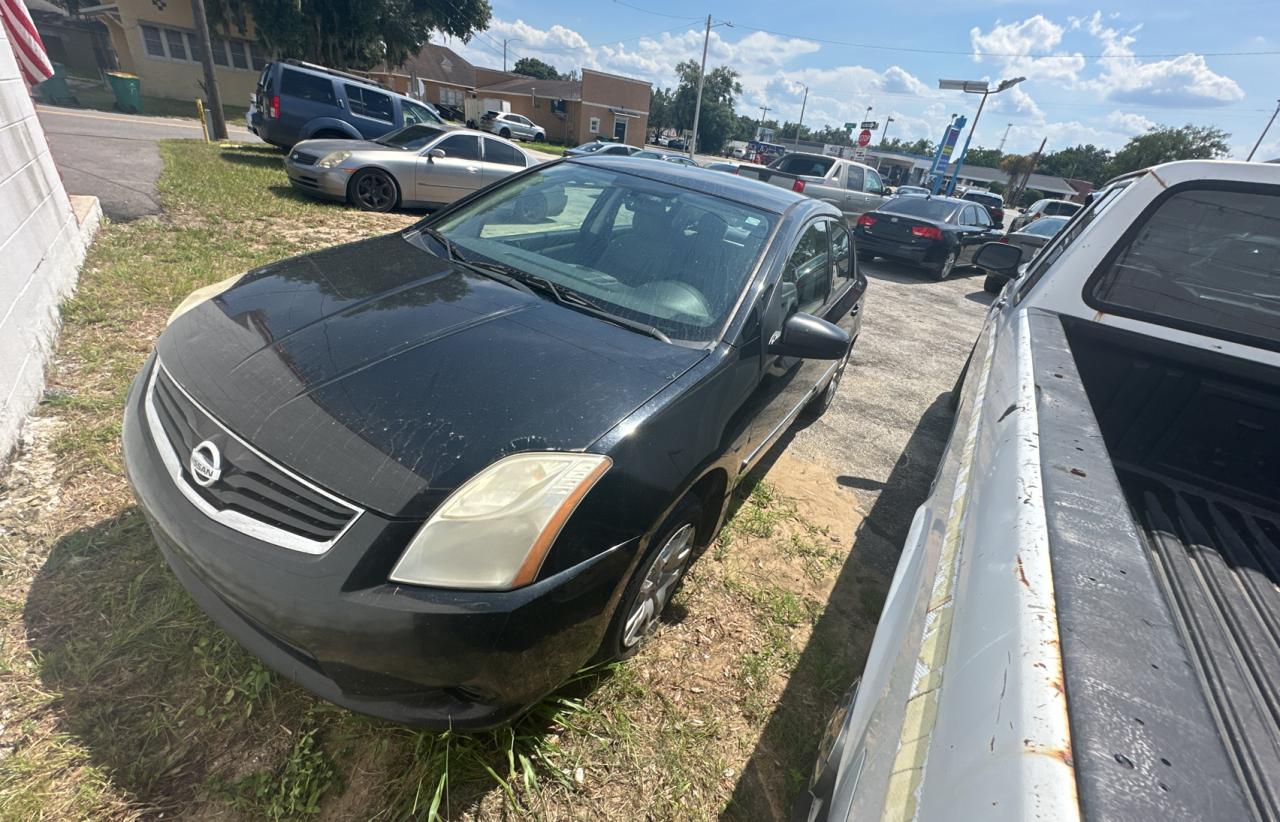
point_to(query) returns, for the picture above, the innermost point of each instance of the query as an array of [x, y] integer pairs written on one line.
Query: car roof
[[727, 186], [981, 193]]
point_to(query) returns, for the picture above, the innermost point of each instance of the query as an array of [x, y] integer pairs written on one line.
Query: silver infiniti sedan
[[418, 165]]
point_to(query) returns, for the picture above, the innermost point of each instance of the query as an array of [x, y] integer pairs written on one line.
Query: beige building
[[156, 40], [601, 105]]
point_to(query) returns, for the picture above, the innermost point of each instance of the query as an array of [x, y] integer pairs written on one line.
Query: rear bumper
[[327, 184], [335, 625], [923, 255]]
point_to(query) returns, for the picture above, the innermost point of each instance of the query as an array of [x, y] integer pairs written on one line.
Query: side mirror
[[807, 336], [888, 191], [999, 258], [436, 154]]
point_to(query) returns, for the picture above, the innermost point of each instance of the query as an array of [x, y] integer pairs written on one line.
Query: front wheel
[[655, 581], [943, 271], [373, 190]]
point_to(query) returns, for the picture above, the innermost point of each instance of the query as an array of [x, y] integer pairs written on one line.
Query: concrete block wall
[[41, 249]]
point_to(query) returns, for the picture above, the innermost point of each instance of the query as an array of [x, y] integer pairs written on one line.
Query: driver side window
[[808, 269], [460, 147]]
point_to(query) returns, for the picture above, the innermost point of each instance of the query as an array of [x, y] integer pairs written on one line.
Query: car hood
[[323, 147], [389, 375]]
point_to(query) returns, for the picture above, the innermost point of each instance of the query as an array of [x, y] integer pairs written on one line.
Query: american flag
[[27, 46]]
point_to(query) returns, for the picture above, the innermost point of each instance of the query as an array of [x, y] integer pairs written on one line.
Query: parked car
[[1082, 622], [727, 167], [602, 148], [993, 202], [512, 126], [934, 233], [431, 474], [416, 165], [1044, 208], [1030, 239], [852, 187], [295, 101], [677, 144], [665, 156], [911, 191]]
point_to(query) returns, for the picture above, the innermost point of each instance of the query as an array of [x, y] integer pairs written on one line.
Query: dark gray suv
[[297, 101]]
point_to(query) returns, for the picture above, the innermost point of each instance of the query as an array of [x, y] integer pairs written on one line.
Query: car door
[[873, 188], [786, 383], [500, 160], [855, 200], [975, 227], [457, 173]]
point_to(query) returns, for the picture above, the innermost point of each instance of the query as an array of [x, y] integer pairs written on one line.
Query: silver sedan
[[418, 165]]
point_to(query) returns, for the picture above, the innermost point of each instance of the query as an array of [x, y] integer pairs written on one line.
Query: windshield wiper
[[493, 272], [567, 296]]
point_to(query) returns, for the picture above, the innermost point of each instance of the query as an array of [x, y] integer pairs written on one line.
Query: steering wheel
[[677, 296]]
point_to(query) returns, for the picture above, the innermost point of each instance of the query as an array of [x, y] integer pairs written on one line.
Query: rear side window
[[501, 153], [1205, 259], [307, 87], [369, 103]]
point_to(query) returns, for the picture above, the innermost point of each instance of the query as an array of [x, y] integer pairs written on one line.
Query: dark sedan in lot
[[431, 474], [934, 233]]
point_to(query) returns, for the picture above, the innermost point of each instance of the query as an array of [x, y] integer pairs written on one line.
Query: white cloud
[[1130, 122], [1185, 80], [1035, 35]]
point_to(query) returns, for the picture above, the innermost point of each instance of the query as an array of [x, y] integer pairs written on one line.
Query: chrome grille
[[254, 494]]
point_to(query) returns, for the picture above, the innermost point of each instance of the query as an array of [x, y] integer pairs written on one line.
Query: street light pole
[[1000, 148], [1264, 132], [800, 125], [973, 87], [884, 134]]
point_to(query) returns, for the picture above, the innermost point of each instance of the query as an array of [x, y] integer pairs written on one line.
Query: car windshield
[[1045, 226], [410, 138], [648, 155], [940, 210], [641, 250]]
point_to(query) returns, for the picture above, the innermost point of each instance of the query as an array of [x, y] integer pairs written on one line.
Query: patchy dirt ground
[[120, 700]]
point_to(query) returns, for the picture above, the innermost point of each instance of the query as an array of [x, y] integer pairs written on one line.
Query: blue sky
[[1100, 74]]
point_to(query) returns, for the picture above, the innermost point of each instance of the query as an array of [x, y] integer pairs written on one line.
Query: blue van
[[297, 101]]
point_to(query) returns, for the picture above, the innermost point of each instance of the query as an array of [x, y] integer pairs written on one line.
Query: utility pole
[[1264, 132], [1025, 176], [210, 79], [800, 125], [885, 132], [504, 49], [702, 74], [1000, 148], [763, 111]]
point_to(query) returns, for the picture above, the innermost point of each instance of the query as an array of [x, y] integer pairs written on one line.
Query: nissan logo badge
[[206, 464]]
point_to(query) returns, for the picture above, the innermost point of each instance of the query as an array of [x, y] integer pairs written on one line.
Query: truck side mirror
[[999, 258]]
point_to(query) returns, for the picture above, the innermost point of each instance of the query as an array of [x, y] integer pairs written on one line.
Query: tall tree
[[985, 157], [1165, 144], [357, 34], [661, 114], [1083, 162], [717, 121], [533, 67]]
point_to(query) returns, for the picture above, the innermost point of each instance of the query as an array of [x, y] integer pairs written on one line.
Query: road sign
[[850, 126], [871, 124], [860, 153], [864, 138]]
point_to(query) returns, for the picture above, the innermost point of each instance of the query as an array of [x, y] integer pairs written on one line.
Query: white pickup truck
[[852, 187], [1085, 619]]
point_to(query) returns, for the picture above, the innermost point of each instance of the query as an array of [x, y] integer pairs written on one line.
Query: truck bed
[[1194, 437]]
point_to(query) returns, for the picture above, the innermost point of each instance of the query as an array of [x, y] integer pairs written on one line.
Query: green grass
[[546, 148], [100, 98]]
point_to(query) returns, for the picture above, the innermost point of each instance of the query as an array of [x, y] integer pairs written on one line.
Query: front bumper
[[327, 184], [335, 625]]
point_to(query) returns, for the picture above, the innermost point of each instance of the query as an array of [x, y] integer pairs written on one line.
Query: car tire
[[818, 406], [948, 264], [656, 579], [505, 133], [993, 284], [372, 189], [539, 137], [866, 256]]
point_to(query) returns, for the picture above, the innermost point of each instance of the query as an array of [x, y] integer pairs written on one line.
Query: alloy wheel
[[375, 192], [947, 264], [659, 582]]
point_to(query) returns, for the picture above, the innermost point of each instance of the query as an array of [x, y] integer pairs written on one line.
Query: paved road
[[114, 156]]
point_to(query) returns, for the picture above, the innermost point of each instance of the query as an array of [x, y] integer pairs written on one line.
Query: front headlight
[[495, 530], [332, 159], [200, 295]]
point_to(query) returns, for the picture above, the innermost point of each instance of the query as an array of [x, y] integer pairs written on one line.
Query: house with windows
[[603, 105], [156, 40]]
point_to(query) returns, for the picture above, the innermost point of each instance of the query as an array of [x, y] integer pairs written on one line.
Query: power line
[[657, 13]]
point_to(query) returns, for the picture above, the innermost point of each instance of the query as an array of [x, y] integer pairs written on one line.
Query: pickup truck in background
[[851, 187], [1085, 619]]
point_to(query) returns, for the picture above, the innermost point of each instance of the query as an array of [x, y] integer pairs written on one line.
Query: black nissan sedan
[[934, 233], [429, 475]]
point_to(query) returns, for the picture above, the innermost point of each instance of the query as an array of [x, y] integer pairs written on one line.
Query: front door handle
[[472, 169]]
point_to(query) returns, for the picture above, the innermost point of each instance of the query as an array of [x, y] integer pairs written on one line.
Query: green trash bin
[[128, 91], [55, 90]]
